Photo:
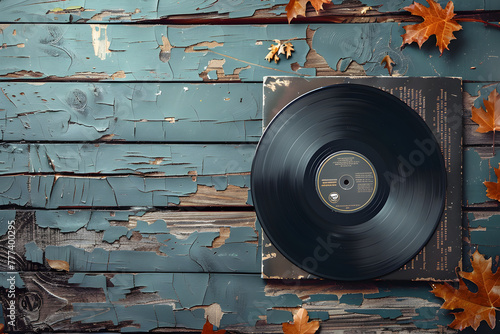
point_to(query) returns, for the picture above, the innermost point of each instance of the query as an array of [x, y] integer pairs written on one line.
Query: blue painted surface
[[137, 112]]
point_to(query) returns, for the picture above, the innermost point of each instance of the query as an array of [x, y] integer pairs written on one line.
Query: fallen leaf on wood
[[208, 328], [295, 8], [388, 63], [277, 49], [58, 264], [301, 324], [489, 119], [288, 49], [493, 188], [273, 54], [476, 306], [437, 21]]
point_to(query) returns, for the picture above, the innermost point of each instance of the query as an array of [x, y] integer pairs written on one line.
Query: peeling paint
[[100, 40], [104, 111]]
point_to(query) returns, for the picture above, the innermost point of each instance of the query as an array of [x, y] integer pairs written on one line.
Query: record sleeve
[[438, 101]]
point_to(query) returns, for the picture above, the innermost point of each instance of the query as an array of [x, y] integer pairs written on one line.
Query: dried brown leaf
[[388, 63], [301, 324], [476, 306], [295, 8], [493, 188], [489, 119], [437, 21]]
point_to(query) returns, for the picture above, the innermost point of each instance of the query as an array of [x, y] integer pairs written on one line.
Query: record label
[[346, 181]]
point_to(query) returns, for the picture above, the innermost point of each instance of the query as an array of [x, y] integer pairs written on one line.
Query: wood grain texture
[[144, 241], [233, 52], [140, 184], [124, 159], [66, 11], [60, 191], [140, 302], [133, 112]]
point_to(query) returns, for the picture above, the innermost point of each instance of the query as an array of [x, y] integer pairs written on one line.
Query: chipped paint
[[104, 111], [218, 160], [100, 40]]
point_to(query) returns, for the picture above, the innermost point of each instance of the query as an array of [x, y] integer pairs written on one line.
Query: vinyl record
[[348, 182]]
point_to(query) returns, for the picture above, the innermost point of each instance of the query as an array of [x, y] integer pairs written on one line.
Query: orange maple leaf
[[477, 306], [208, 328], [489, 119], [437, 21], [298, 7], [301, 324], [493, 188]]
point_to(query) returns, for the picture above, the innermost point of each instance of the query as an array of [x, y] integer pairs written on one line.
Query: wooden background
[[128, 132]]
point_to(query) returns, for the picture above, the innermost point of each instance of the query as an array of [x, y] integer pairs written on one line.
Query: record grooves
[[348, 182]]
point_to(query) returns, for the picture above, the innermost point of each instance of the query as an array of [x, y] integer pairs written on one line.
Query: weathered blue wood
[[189, 53], [54, 191], [147, 52], [245, 303], [469, 57], [157, 159], [484, 232], [478, 167], [174, 112], [130, 10], [124, 241]]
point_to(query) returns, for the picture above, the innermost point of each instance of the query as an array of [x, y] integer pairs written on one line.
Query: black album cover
[[438, 102]]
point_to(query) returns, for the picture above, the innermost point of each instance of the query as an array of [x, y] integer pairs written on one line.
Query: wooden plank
[[138, 112], [484, 233], [156, 112], [124, 241], [133, 11], [478, 167], [124, 159], [60, 191], [474, 95], [240, 303], [234, 52]]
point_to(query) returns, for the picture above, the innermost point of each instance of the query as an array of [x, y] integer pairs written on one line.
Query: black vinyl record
[[348, 182]]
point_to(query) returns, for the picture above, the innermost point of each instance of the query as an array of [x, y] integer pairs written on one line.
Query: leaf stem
[[478, 20]]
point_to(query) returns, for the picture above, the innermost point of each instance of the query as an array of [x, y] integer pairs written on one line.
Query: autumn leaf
[[58, 264], [388, 63], [437, 21], [493, 188], [288, 49], [489, 119], [300, 324], [273, 54], [298, 7], [278, 49], [477, 306], [208, 328]]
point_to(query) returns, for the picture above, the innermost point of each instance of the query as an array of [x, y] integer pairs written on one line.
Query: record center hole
[[346, 182]]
